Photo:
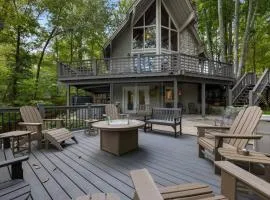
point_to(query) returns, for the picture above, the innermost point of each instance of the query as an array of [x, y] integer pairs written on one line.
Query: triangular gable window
[[169, 34], [144, 30]]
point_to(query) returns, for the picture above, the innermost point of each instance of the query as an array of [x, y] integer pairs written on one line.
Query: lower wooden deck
[[82, 168]]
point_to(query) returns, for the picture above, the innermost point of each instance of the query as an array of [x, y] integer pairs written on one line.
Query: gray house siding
[[121, 45], [188, 44]]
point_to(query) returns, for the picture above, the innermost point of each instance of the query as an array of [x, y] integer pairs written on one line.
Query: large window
[[169, 34], [144, 31]]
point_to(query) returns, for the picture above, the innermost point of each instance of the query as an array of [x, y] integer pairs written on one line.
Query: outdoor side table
[[14, 136], [252, 158], [91, 130]]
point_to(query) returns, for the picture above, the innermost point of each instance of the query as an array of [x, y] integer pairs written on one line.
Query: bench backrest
[[168, 114], [245, 124]]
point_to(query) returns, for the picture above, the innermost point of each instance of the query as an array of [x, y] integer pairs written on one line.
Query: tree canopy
[[34, 35]]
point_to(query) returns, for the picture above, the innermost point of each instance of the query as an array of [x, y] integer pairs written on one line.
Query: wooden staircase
[[248, 91], [243, 98]]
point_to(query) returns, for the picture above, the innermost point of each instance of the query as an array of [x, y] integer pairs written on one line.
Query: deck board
[[83, 168]]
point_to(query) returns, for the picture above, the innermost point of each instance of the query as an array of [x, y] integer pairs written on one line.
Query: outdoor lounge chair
[[210, 138], [34, 122], [146, 189]]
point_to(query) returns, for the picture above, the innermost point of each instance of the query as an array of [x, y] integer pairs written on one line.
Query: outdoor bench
[[165, 116], [12, 185]]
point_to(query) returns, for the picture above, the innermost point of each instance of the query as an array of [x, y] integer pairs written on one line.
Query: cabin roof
[[181, 11]]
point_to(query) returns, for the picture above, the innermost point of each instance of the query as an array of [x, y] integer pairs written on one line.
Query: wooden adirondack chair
[[146, 189], [34, 122], [112, 111], [237, 136]]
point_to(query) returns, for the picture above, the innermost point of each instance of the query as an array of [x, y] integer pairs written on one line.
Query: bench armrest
[[29, 124], [13, 161], [145, 187], [177, 119], [231, 173], [147, 117]]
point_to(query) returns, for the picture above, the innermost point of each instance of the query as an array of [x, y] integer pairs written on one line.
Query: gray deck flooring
[[83, 168]]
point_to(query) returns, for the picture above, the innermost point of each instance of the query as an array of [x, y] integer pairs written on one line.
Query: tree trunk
[[249, 24], [71, 47], [221, 31], [230, 43], [236, 37], [208, 36], [13, 92], [41, 59]]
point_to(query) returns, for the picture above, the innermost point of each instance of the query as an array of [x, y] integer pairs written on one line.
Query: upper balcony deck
[[144, 66]]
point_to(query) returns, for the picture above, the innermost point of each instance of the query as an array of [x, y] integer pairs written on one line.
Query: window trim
[[169, 29], [144, 27]]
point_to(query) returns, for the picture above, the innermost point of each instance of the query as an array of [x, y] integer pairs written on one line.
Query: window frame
[[170, 29], [144, 27]]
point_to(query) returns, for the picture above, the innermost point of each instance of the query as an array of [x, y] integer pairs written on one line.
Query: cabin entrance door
[[135, 99]]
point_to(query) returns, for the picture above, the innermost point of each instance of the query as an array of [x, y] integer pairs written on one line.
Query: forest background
[[34, 35]]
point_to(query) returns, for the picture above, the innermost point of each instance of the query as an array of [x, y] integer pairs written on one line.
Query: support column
[[203, 99], [175, 93], [161, 95], [111, 93], [229, 97], [68, 94]]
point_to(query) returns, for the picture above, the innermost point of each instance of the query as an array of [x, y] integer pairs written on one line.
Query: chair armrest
[[220, 135], [53, 119], [29, 124], [231, 173], [201, 129], [145, 188], [213, 127], [13, 161]]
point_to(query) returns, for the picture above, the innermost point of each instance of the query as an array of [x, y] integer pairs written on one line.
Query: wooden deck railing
[[256, 93], [168, 63], [73, 116]]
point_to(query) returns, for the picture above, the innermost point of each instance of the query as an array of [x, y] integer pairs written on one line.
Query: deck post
[[175, 91], [111, 93], [229, 97], [203, 99], [68, 94]]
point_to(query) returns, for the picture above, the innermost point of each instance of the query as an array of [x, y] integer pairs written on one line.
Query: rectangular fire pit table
[[118, 136]]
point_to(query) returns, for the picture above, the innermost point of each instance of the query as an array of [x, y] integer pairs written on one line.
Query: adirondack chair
[[34, 122], [146, 189], [112, 111], [237, 135]]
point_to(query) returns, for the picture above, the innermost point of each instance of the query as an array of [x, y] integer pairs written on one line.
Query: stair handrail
[[247, 79], [256, 92]]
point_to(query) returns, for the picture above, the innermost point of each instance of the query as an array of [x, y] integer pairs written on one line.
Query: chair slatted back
[[111, 111], [168, 114], [31, 114], [245, 125]]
